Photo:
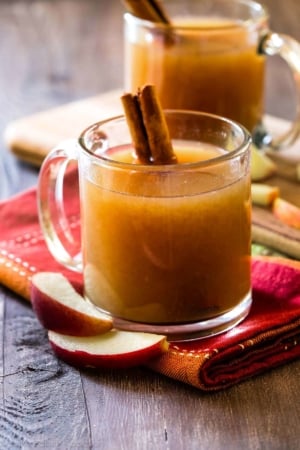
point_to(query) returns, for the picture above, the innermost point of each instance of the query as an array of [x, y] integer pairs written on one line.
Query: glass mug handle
[[54, 219], [289, 50]]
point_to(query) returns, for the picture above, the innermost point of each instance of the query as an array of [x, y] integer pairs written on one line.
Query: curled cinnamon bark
[[148, 127], [136, 127]]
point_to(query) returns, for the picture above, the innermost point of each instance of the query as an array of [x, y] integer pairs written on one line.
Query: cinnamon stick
[[148, 127], [156, 126], [136, 127], [151, 10]]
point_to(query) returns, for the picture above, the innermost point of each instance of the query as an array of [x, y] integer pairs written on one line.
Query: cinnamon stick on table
[[148, 127]]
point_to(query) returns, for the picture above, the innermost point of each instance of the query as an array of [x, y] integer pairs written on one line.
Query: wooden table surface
[[52, 52]]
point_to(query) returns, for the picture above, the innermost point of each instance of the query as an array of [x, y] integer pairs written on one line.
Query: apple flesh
[[263, 194], [59, 307], [114, 349], [262, 166], [286, 212]]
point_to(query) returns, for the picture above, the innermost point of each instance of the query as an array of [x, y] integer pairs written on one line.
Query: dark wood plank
[[43, 401], [158, 413]]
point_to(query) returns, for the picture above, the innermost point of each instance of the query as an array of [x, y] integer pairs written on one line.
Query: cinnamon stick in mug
[[148, 127], [151, 10]]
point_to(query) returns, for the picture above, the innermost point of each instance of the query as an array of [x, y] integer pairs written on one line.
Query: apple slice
[[59, 307], [263, 194], [262, 166], [114, 349], [286, 212]]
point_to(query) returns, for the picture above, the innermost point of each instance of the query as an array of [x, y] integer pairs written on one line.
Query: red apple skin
[[286, 212], [63, 319], [123, 359]]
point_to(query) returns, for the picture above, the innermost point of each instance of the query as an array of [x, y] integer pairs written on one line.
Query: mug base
[[191, 330]]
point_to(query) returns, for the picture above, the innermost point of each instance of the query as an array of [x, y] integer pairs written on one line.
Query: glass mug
[[211, 58], [165, 248]]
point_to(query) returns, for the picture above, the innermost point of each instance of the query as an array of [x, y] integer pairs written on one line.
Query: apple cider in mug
[[160, 248], [205, 65], [165, 244]]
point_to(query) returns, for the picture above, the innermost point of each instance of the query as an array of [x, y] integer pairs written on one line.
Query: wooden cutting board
[[31, 138]]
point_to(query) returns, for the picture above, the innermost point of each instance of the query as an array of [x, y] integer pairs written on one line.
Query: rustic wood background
[[52, 52]]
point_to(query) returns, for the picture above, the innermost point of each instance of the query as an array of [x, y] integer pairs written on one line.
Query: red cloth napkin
[[268, 337]]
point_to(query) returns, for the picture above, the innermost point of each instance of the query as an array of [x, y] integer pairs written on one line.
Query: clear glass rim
[[259, 10], [230, 155]]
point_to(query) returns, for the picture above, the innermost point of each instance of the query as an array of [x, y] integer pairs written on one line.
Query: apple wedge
[[262, 167], [286, 212], [114, 349], [59, 307], [263, 194]]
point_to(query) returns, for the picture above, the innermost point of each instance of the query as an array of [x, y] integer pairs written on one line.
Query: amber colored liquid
[[213, 68], [159, 258]]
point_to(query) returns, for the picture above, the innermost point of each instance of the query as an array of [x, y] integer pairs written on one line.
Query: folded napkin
[[268, 337]]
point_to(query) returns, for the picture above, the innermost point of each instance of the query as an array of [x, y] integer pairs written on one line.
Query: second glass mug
[[165, 248], [212, 58]]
